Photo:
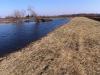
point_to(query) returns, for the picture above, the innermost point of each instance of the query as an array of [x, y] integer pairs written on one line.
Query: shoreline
[[70, 49]]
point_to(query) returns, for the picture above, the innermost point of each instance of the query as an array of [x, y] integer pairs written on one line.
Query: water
[[13, 37]]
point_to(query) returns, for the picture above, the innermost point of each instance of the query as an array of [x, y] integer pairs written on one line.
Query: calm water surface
[[14, 37]]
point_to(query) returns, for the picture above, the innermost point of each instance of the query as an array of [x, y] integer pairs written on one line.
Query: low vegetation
[[73, 49]]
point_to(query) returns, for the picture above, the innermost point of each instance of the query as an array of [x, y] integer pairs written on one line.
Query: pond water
[[13, 37]]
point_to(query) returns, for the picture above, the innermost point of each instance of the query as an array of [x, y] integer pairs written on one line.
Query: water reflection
[[14, 37]]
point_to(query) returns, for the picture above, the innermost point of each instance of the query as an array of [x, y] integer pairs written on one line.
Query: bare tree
[[34, 15], [18, 16]]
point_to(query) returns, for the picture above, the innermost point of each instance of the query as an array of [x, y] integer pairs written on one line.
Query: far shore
[[49, 18]]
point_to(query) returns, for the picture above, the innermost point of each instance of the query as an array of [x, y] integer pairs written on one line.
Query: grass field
[[73, 49]]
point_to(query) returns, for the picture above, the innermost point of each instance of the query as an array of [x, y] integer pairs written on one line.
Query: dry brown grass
[[73, 49]]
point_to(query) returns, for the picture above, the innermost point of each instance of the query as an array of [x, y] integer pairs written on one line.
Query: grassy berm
[[73, 49]]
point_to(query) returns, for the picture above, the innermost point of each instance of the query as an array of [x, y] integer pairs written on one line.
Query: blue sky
[[50, 7]]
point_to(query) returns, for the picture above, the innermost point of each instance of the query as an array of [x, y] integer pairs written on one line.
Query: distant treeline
[[83, 15], [16, 16], [91, 16], [59, 16]]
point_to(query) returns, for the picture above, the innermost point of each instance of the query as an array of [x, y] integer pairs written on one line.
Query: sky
[[50, 7]]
